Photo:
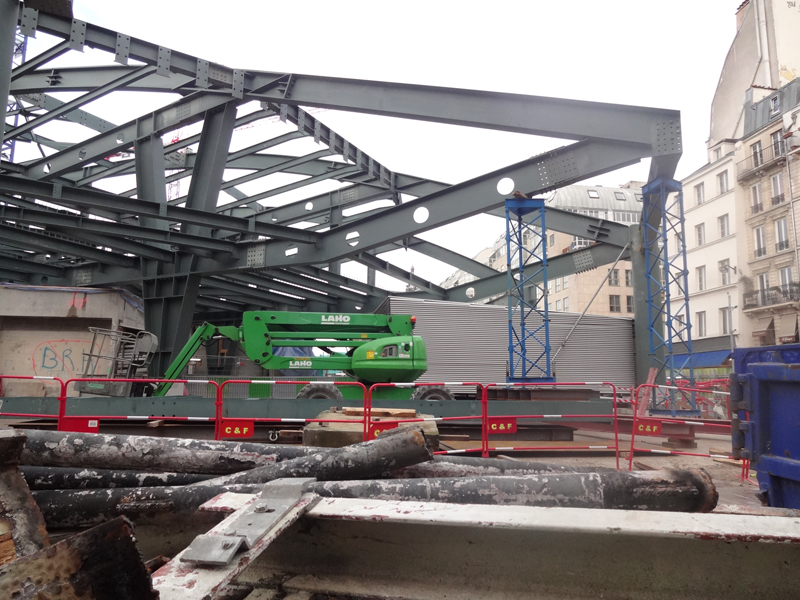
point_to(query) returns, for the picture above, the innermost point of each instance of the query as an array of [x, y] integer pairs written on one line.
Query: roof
[[608, 198]]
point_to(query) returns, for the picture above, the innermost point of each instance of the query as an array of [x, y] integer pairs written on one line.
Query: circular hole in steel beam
[[505, 186], [421, 215]]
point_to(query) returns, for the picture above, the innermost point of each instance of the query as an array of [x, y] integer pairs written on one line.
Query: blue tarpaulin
[[704, 360]]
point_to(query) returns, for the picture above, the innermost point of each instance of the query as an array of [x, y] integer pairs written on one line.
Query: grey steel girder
[[90, 198], [77, 115], [557, 266], [454, 259], [381, 266], [43, 242], [77, 223], [75, 104], [537, 175], [32, 266], [86, 79]]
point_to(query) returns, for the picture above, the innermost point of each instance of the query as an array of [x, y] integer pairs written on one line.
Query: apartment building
[[710, 220], [767, 192]]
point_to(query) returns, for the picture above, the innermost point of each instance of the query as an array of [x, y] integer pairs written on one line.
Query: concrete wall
[[45, 331]]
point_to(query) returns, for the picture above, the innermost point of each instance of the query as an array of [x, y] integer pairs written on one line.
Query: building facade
[[767, 193], [710, 226]]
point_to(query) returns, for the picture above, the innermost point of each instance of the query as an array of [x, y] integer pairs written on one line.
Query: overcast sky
[[639, 52]]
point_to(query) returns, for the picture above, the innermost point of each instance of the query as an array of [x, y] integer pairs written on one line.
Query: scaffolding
[[528, 322]]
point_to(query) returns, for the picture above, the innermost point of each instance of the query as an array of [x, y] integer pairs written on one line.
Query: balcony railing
[[774, 295], [757, 208], [779, 199], [782, 245], [758, 160], [759, 252]]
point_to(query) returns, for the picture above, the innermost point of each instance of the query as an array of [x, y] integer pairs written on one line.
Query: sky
[[637, 52]]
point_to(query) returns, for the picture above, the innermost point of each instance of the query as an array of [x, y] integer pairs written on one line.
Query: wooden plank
[[400, 413], [7, 550]]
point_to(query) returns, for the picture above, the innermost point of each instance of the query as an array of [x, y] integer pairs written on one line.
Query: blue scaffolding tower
[[528, 322], [669, 320]]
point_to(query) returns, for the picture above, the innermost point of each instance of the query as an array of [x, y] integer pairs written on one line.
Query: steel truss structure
[[220, 248], [528, 321], [667, 281]]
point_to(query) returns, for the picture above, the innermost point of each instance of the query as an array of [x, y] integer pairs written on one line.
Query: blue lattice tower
[[528, 323], [667, 283]]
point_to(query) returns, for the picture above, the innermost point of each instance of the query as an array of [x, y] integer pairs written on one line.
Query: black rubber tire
[[320, 390], [432, 392]]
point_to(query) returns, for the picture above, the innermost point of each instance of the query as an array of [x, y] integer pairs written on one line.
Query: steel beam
[[257, 293], [68, 107], [381, 266], [40, 59], [43, 242], [557, 266], [87, 79], [539, 174], [8, 27], [83, 198], [77, 115], [31, 266]]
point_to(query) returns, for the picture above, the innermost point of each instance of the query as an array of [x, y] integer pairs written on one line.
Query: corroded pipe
[[394, 449], [74, 478], [667, 490], [131, 452], [467, 466]]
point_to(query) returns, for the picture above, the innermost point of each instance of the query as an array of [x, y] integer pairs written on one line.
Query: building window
[[566, 282], [700, 234], [777, 188], [777, 143], [763, 281], [619, 196], [566, 304], [717, 154], [552, 239], [629, 303], [701, 278], [699, 193], [725, 271], [679, 318], [558, 305], [550, 286], [613, 304], [678, 243], [759, 242], [781, 235], [785, 275], [628, 278], [725, 321], [700, 323], [558, 284], [774, 105], [758, 154], [722, 182], [724, 226], [613, 277], [755, 199], [593, 194], [638, 197]]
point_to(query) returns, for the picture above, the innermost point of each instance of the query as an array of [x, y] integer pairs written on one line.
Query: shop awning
[[787, 328], [762, 326], [703, 360]]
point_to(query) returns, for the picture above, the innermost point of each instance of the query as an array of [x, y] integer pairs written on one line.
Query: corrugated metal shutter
[[469, 342]]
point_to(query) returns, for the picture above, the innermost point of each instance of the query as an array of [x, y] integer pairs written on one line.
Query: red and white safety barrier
[[652, 426], [244, 427], [511, 420], [62, 395]]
